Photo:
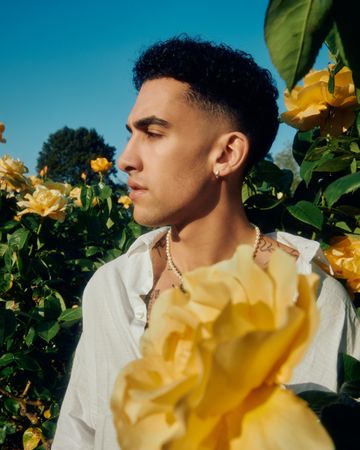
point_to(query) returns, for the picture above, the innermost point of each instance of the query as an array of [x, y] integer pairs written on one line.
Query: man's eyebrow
[[147, 121]]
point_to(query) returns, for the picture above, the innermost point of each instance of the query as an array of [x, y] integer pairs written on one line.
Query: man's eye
[[152, 135]]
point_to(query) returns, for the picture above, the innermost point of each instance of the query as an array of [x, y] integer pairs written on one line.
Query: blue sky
[[69, 62]]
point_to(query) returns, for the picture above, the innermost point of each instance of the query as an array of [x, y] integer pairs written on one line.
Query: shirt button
[[139, 315]]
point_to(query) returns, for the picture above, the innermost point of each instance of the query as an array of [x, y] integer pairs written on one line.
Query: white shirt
[[114, 317]]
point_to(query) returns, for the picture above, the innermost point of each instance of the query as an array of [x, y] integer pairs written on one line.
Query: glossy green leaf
[[308, 213], [6, 359], [12, 405], [341, 186], [294, 32], [86, 196], [48, 330], [71, 314], [335, 164]]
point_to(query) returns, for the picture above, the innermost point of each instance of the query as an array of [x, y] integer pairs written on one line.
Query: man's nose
[[129, 160]]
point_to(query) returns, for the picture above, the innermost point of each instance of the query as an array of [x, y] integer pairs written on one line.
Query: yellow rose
[[344, 257], [12, 174], [313, 105], [2, 129], [35, 180], [125, 201], [100, 165], [214, 360], [45, 202], [63, 188]]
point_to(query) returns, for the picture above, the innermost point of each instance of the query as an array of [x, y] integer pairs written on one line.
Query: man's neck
[[211, 239]]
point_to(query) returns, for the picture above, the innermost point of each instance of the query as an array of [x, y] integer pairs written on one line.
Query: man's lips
[[136, 189]]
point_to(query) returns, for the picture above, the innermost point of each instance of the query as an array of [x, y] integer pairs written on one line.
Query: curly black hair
[[221, 79]]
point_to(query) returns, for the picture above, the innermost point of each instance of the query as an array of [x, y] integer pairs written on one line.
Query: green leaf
[[12, 406], [71, 315], [353, 166], [335, 164], [29, 338], [86, 196], [308, 213], [294, 32], [6, 282], [18, 239], [6, 359], [52, 307], [341, 186], [48, 330], [31, 438]]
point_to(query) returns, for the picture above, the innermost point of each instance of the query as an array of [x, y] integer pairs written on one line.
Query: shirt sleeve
[[76, 424]]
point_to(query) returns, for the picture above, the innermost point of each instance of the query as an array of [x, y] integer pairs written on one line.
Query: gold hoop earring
[[217, 174]]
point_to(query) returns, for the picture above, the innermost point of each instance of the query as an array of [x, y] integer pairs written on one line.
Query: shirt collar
[[146, 241]]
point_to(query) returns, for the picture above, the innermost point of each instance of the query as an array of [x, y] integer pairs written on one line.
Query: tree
[[67, 154]]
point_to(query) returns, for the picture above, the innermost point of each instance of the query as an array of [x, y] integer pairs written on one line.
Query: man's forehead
[[160, 97]]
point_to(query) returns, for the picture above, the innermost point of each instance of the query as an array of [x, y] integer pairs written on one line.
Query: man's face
[[169, 157]]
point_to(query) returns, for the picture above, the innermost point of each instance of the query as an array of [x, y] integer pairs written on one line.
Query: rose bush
[[205, 379], [50, 244]]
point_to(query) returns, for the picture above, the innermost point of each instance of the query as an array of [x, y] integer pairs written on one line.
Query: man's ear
[[231, 153]]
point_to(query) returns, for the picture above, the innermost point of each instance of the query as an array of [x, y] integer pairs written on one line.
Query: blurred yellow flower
[[344, 257], [45, 202], [214, 359], [125, 201], [100, 165], [43, 171], [313, 105], [12, 175], [63, 188], [2, 129], [75, 194], [83, 176], [35, 180]]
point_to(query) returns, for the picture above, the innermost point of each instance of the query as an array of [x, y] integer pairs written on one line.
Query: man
[[204, 115]]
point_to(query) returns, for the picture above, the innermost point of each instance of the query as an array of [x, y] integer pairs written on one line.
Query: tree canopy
[[67, 154]]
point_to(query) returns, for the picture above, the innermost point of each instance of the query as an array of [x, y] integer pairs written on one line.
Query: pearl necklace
[[177, 271]]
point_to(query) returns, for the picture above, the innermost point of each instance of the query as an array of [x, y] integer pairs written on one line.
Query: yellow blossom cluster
[[344, 258], [313, 105], [215, 359], [44, 202], [39, 195]]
